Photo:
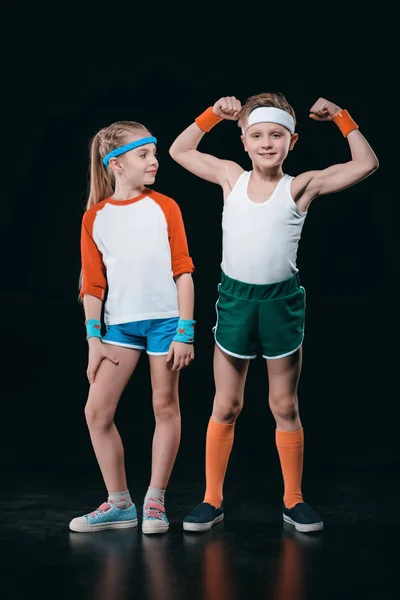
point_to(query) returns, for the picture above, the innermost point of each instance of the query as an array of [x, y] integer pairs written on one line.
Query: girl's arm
[[97, 351], [92, 307], [181, 353], [185, 287]]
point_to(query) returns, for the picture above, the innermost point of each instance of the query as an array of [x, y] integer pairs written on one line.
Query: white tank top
[[260, 240]]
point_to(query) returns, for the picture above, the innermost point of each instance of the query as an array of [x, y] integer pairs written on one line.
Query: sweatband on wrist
[[345, 123], [185, 331], [207, 120], [93, 328]]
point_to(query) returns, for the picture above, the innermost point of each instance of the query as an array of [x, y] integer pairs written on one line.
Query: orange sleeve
[[93, 269], [181, 261]]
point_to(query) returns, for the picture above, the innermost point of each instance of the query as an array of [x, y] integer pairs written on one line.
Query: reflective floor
[[251, 555]]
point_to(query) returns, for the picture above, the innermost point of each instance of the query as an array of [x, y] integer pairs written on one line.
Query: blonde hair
[[277, 100], [102, 180]]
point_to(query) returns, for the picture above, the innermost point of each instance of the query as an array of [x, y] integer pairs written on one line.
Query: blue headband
[[127, 147]]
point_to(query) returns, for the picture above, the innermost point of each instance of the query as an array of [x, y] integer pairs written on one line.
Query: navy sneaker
[[303, 517], [203, 517]]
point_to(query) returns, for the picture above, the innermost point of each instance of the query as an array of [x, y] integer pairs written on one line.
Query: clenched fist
[[228, 108], [323, 110]]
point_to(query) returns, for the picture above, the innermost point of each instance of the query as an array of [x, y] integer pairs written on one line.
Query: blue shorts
[[153, 335]]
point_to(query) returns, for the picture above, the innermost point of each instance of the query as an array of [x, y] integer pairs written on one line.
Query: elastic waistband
[[255, 291]]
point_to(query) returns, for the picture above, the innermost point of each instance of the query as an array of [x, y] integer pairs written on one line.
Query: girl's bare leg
[[104, 395]]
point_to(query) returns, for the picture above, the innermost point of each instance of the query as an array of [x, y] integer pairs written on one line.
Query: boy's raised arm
[[184, 149]]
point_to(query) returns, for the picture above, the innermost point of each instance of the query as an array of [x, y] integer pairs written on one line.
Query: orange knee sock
[[218, 449], [290, 445]]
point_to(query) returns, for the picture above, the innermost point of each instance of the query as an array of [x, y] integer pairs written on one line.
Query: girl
[[134, 259], [261, 305]]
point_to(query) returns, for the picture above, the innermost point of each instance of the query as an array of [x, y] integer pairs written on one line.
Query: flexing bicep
[[336, 178], [203, 165], [184, 151]]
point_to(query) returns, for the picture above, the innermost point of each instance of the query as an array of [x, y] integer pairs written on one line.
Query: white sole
[[101, 526], [304, 528], [155, 527], [202, 526]]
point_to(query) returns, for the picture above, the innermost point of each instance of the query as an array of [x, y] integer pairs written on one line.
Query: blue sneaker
[[107, 516], [203, 517], [154, 519], [303, 517]]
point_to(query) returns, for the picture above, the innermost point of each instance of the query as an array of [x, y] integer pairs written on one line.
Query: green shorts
[[255, 319]]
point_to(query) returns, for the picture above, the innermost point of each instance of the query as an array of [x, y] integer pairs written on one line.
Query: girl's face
[[138, 166], [268, 144]]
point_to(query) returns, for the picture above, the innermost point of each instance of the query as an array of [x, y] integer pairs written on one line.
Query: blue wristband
[[185, 331], [93, 328]]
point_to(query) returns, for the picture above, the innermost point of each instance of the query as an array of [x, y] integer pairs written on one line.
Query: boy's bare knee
[[284, 406], [227, 409]]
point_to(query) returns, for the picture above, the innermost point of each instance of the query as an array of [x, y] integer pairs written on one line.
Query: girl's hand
[[228, 108], [323, 110], [97, 353], [182, 355]]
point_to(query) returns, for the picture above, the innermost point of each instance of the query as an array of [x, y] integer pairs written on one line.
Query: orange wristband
[[207, 120], [345, 123]]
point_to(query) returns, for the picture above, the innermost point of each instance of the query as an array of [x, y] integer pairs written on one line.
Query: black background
[[68, 73]]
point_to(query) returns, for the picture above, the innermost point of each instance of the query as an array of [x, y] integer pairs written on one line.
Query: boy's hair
[[107, 139], [277, 100]]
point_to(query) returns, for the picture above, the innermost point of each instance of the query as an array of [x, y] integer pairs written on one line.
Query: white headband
[[269, 114]]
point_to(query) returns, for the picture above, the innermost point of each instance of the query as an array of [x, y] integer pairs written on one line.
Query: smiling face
[[138, 166], [268, 144]]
